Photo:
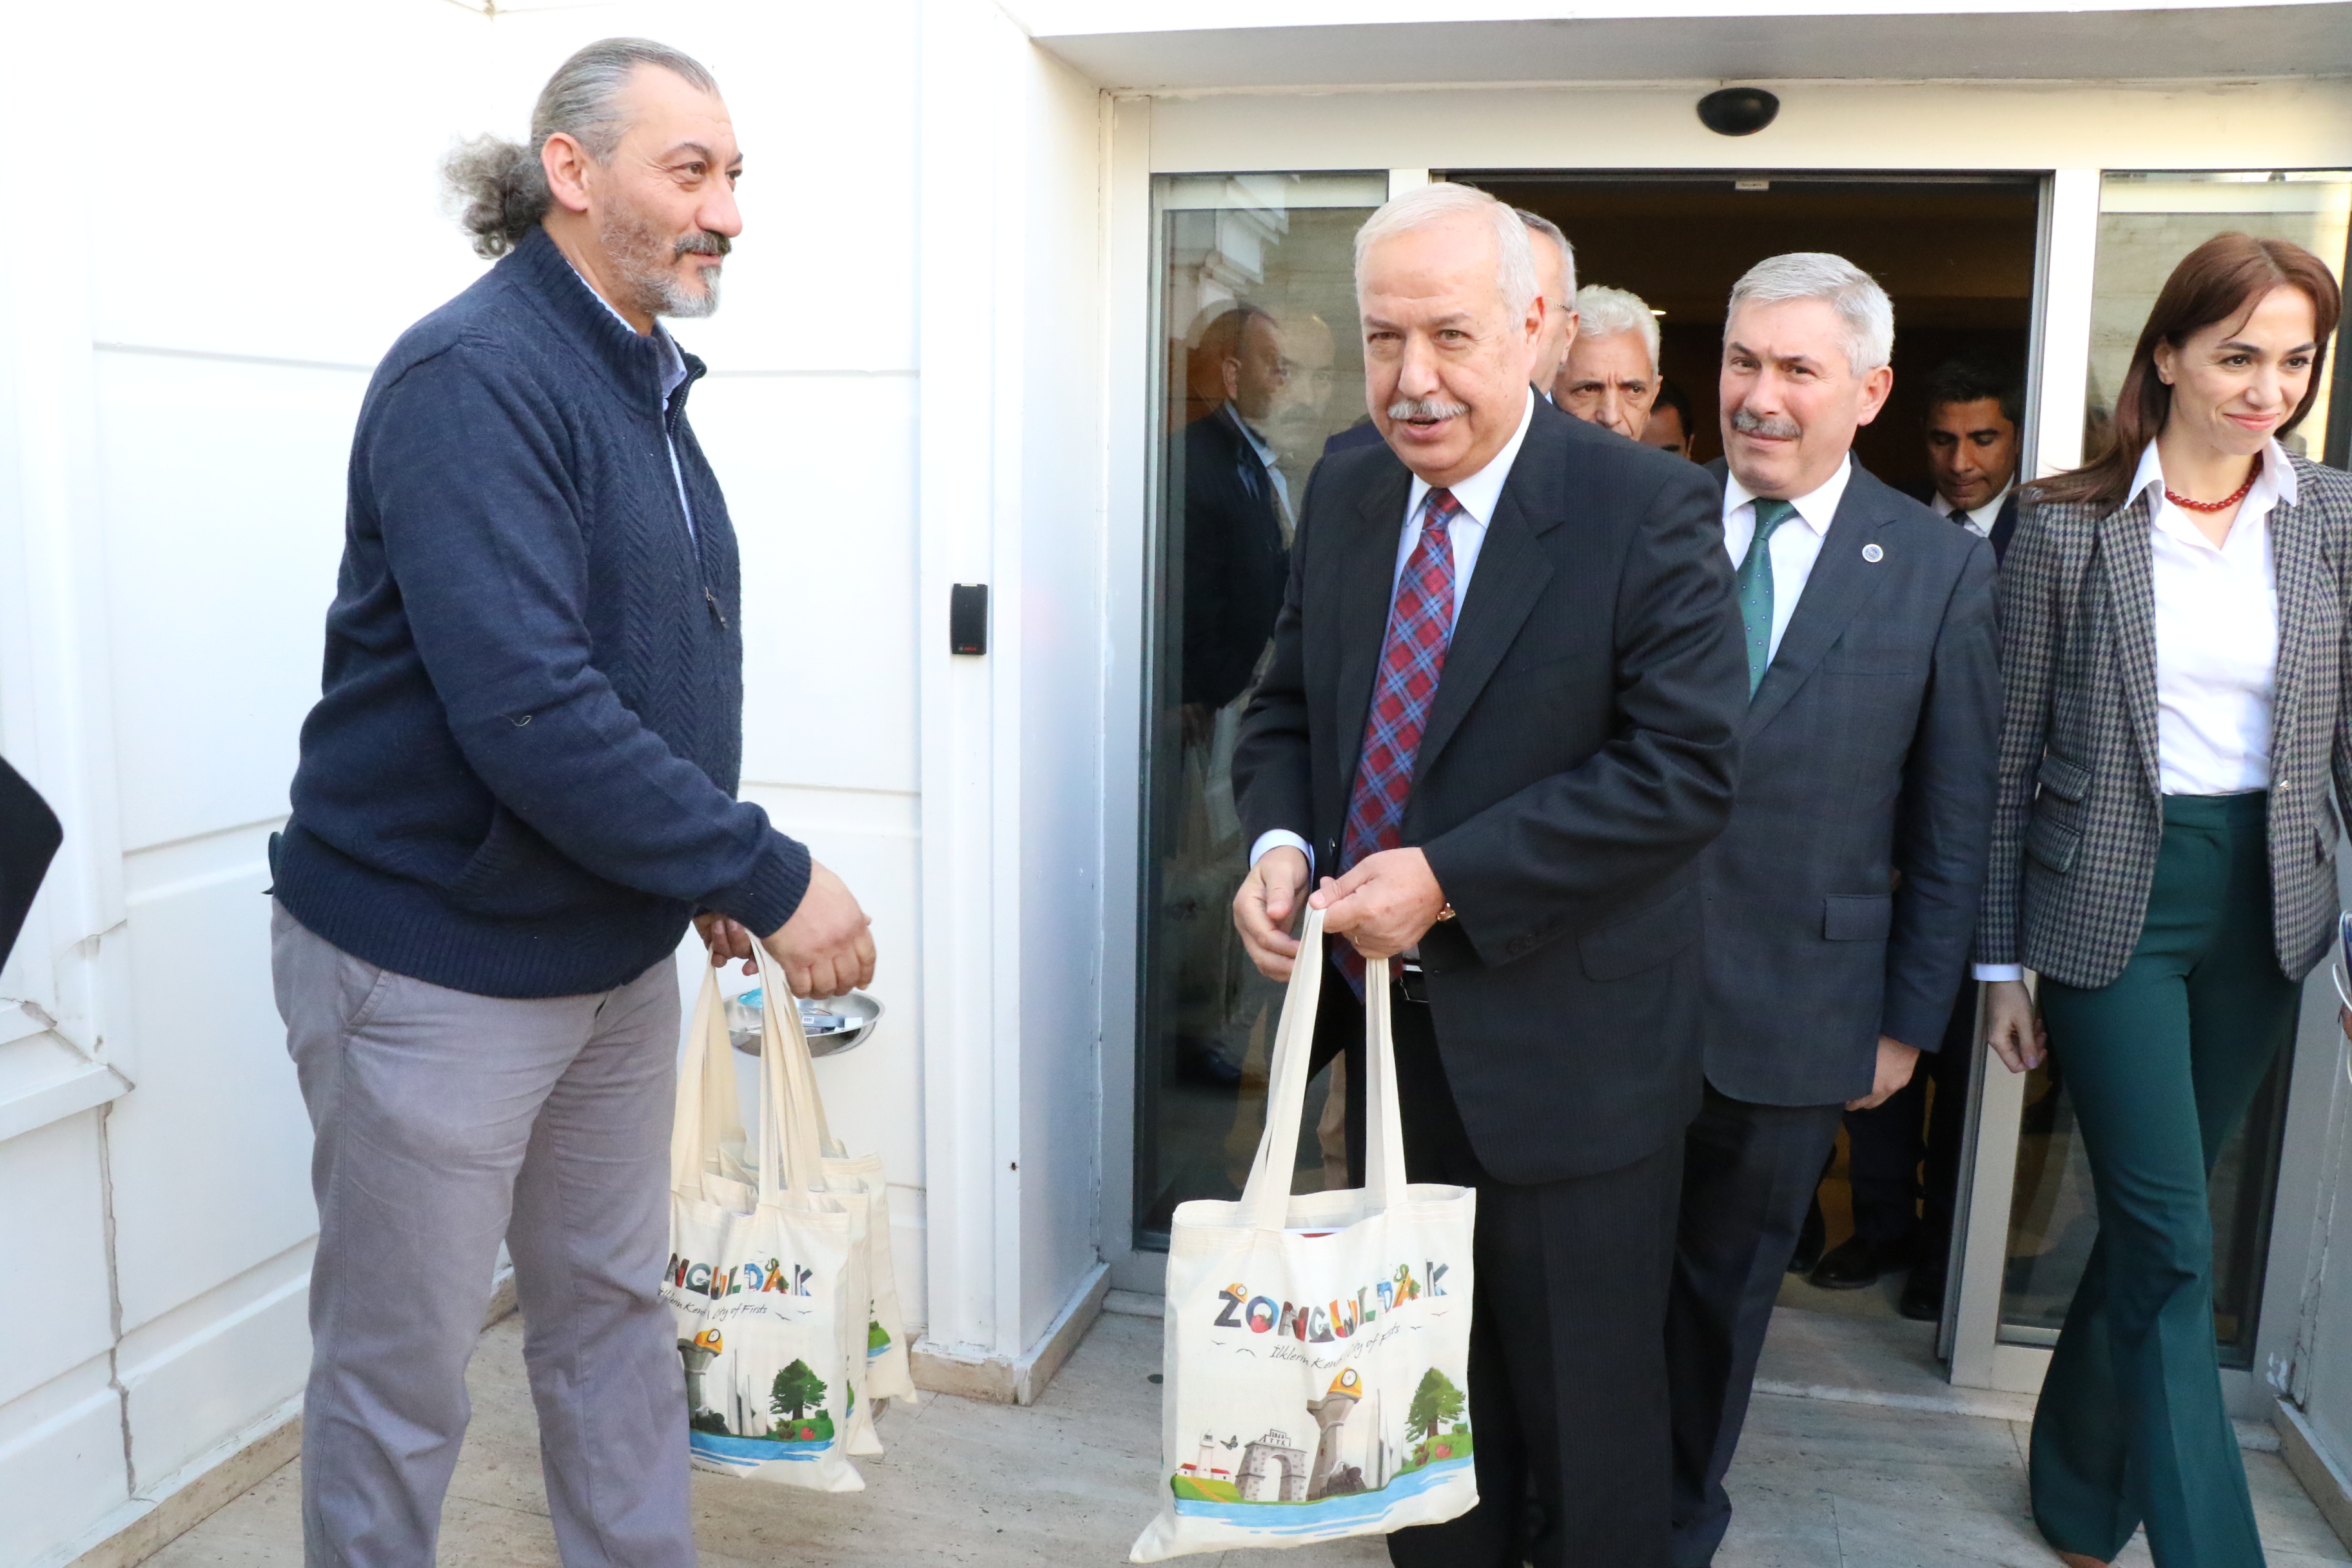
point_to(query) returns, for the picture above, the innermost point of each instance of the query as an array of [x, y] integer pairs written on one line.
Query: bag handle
[[1265, 1199], [706, 1135], [790, 1140], [706, 1113], [1384, 1178], [801, 1063]]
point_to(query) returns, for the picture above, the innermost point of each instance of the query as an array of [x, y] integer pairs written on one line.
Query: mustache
[[702, 242], [1748, 424], [1405, 408]]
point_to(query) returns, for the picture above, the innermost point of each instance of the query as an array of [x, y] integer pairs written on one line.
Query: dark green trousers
[[2161, 1066]]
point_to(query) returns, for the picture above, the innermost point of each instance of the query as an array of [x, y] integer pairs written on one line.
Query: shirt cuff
[[1276, 838], [1989, 973]]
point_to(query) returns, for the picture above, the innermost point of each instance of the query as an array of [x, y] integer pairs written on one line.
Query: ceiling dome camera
[[1737, 110]]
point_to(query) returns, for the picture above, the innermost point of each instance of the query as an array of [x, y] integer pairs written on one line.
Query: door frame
[[1905, 126]]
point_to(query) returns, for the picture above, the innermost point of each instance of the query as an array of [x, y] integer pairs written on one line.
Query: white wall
[[1013, 746], [196, 308]]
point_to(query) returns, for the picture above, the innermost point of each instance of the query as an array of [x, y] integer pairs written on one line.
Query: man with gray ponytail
[[517, 789], [1841, 898]]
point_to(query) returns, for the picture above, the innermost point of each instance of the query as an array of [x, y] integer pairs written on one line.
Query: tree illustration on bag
[[1434, 1403], [795, 1390]]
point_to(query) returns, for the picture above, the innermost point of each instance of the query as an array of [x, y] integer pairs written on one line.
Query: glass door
[[2033, 1221], [1259, 365]]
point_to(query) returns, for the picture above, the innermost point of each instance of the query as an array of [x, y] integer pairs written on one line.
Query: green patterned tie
[[1756, 589]]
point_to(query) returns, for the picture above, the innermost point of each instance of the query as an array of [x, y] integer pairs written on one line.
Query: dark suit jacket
[[1355, 436], [1841, 898], [1580, 752], [2004, 521], [1235, 560]]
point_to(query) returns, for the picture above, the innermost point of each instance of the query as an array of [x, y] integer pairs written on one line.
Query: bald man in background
[[1556, 276]]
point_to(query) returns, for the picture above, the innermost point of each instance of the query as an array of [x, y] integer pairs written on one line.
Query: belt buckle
[[1411, 981]]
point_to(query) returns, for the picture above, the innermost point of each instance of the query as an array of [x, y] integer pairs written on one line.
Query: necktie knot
[[1439, 511], [1772, 514]]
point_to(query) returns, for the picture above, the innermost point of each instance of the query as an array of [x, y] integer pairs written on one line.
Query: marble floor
[[1821, 1482]]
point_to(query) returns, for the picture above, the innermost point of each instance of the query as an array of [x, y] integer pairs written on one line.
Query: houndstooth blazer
[[2079, 816]]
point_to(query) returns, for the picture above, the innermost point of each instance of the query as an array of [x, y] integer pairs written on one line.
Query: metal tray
[[834, 1025]]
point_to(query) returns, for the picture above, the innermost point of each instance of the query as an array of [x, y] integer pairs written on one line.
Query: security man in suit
[[1976, 412], [1236, 507], [1499, 725], [1976, 403], [1842, 897]]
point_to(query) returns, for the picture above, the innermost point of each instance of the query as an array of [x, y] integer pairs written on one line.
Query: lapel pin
[[1872, 553]]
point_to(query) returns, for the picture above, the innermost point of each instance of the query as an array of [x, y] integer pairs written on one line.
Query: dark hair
[[502, 186], [2224, 278], [1972, 376], [1673, 397]]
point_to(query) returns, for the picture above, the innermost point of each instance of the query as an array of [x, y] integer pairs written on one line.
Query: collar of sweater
[[633, 364]]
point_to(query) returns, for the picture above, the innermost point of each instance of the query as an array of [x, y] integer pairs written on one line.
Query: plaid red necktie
[[1413, 656]]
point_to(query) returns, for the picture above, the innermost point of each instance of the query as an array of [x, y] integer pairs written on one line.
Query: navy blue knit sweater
[[520, 778]]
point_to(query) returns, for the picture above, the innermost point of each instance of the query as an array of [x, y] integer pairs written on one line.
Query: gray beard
[[644, 264]]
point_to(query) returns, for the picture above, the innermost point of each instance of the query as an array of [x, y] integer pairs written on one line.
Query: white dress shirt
[[1266, 456], [2216, 636], [1477, 497], [2216, 641], [1978, 521], [673, 372], [1795, 545]]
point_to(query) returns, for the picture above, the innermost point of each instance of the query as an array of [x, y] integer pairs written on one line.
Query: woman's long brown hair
[[2223, 278]]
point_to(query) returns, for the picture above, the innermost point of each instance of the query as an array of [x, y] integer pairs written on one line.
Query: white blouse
[[2216, 636]]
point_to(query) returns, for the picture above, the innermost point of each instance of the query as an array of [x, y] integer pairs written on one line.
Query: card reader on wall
[[968, 618]]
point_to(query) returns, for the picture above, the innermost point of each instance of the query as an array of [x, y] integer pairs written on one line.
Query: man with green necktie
[[1840, 900]]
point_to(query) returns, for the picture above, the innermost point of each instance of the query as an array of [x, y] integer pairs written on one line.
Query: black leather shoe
[[1923, 1294], [1814, 1237], [1854, 1263]]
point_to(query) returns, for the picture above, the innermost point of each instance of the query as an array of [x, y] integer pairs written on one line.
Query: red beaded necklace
[[2226, 502]]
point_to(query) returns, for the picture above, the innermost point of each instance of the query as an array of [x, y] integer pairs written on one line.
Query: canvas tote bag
[[879, 1347], [888, 1372], [766, 1277], [1318, 1352]]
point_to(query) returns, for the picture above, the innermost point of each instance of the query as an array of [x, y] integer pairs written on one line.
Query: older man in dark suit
[[1500, 713], [1840, 900]]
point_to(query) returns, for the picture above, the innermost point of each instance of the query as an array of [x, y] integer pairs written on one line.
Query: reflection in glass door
[[2148, 222], [1260, 365]]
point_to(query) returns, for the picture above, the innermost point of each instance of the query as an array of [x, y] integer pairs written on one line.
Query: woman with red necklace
[[2173, 619]]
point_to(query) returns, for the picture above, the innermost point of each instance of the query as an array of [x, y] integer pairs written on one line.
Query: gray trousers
[[445, 1121]]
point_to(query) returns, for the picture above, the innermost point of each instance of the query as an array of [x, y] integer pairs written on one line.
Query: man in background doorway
[[1302, 416], [1609, 378], [1556, 276], [1236, 504], [1237, 557], [1670, 425], [1840, 900], [1555, 261], [1975, 403], [1976, 411]]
